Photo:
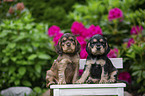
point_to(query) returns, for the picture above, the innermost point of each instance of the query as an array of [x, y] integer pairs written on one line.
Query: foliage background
[[26, 51]]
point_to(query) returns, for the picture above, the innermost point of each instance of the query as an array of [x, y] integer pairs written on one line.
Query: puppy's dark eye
[[71, 39], [63, 40], [62, 44], [92, 44]]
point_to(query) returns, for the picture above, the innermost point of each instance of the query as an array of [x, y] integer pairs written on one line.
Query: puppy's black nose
[[98, 47], [68, 44]]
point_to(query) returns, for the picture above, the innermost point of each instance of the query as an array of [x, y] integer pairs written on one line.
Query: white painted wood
[[120, 91], [56, 92], [91, 89], [71, 86], [109, 91], [117, 62]]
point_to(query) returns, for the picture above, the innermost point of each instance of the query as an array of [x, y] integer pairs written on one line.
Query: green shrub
[[26, 52]]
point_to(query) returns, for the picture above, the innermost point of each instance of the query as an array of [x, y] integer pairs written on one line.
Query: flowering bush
[[113, 53], [136, 30], [124, 28], [80, 31], [115, 14], [125, 76], [20, 6]]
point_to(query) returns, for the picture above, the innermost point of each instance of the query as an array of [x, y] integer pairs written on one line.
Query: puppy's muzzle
[[98, 47], [68, 44]]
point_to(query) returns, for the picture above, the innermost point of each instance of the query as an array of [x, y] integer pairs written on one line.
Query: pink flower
[[113, 53], [53, 31], [136, 30], [83, 54], [80, 72], [77, 28], [82, 41], [56, 38], [11, 10], [20, 6], [93, 30], [130, 42], [115, 13], [125, 76]]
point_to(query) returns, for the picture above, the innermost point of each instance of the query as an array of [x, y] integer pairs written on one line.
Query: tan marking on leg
[[75, 77], [112, 78], [50, 78], [84, 75], [62, 66], [103, 76]]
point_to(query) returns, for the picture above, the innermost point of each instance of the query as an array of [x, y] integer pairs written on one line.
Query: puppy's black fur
[[98, 66]]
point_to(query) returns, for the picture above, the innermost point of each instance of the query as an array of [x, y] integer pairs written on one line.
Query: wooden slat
[[117, 62], [75, 86]]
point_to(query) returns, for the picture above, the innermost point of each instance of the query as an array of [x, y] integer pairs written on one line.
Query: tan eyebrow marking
[[64, 38], [71, 38], [94, 40], [101, 40]]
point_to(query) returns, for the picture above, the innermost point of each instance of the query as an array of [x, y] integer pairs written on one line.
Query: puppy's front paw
[[111, 80], [60, 82], [89, 81], [103, 81], [79, 81], [50, 83]]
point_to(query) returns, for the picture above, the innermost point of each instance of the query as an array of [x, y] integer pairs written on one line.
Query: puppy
[[65, 68], [98, 67]]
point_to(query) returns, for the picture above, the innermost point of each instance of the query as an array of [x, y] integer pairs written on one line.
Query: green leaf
[[44, 56], [131, 55], [37, 89], [32, 57], [38, 68], [137, 49], [22, 70], [17, 82], [12, 69], [143, 74], [26, 83], [135, 73], [12, 45], [13, 59]]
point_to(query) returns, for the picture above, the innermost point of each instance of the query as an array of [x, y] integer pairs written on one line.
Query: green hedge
[[26, 52]]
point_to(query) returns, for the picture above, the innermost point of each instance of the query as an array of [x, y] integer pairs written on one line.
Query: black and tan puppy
[[98, 68], [65, 68]]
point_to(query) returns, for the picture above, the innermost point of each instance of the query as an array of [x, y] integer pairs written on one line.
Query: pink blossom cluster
[[115, 14], [19, 6], [130, 42], [80, 31], [55, 32], [113, 53], [83, 34], [125, 76], [136, 30]]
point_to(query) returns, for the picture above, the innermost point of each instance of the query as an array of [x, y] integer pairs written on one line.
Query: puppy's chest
[[100, 62]]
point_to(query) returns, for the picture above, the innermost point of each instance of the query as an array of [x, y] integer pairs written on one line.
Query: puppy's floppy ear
[[88, 48], [58, 47], [78, 46], [107, 48]]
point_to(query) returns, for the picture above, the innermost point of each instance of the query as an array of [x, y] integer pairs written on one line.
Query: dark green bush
[[53, 12], [26, 52]]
